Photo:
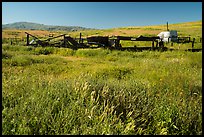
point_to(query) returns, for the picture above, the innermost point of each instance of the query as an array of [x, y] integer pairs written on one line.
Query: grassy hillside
[[37, 26], [193, 29], [59, 91], [184, 29]]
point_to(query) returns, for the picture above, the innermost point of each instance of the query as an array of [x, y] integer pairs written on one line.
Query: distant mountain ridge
[[37, 26]]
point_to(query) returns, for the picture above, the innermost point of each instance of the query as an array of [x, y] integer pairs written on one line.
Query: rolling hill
[[193, 29], [37, 26]]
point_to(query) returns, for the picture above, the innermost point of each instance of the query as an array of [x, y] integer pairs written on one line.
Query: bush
[[44, 50]]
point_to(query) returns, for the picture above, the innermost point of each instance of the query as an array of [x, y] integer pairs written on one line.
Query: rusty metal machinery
[[102, 41]]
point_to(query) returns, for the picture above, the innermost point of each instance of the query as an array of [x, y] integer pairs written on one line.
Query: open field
[[59, 91], [184, 29]]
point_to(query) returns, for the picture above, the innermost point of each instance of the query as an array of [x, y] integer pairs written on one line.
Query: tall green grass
[[57, 91]]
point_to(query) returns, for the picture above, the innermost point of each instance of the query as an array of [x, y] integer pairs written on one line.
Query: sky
[[101, 15]]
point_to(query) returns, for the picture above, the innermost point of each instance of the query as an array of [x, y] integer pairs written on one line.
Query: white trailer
[[168, 36]]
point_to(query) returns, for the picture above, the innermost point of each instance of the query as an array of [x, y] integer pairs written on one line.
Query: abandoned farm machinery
[[112, 42], [157, 42]]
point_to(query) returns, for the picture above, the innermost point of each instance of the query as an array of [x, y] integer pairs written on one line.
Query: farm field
[[60, 91]]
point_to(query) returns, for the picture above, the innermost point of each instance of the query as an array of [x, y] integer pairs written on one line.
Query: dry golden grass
[[14, 33], [184, 29]]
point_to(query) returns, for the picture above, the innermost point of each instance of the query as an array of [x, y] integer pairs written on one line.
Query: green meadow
[[60, 91]]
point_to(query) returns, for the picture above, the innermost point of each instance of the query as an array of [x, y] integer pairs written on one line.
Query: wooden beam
[[80, 38], [193, 43], [55, 37], [31, 35], [27, 39]]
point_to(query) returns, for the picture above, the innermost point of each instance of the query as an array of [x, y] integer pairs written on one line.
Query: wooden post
[[79, 38], [64, 43], [27, 39], [156, 44], [117, 42], [193, 43], [167, 27], [161, 45], [153, 45]]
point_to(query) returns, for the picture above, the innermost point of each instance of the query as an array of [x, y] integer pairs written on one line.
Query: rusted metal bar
[[31, 35], [140, 38], [54, 37], [124, 38]]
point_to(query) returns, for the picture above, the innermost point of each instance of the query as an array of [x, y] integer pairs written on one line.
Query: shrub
[[44, 50]]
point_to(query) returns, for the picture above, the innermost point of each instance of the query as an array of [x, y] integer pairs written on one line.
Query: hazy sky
[[101, 15]]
